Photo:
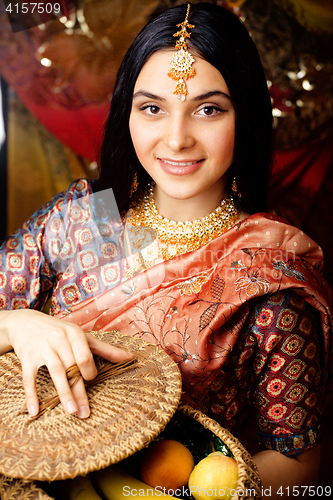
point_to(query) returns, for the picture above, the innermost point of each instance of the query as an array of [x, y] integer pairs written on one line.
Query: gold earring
[[234, 189], [135, 184]]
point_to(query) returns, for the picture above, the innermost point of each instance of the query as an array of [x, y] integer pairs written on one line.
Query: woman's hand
[[39, 339]]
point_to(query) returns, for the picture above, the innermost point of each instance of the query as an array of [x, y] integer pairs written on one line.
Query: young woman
[[234, 295]]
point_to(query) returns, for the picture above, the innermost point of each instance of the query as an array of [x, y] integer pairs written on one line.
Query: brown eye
[[208, 110], [154, 110], [150, 109]]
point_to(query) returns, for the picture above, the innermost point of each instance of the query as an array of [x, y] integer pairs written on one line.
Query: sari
[[197, 307], [247, 317]]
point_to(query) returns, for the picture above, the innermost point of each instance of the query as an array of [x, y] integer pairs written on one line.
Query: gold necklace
[[177, 238]]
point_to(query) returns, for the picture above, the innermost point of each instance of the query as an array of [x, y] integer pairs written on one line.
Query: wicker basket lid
[[127, 412]]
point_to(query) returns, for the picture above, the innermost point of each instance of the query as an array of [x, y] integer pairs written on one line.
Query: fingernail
[[71, 407], [32, 410], [83, 411]]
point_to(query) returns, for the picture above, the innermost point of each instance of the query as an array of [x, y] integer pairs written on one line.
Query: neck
[[189, 209]]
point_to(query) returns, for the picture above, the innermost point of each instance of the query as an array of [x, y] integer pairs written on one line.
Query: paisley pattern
[[247, 317]]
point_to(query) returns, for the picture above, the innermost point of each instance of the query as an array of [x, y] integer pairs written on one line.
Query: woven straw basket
[[127, 412], [18, 489], [249, 484]]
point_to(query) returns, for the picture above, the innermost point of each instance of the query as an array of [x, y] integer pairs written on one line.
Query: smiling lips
[[179, 167]]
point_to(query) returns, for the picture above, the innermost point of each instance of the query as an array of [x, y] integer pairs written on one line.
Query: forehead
[[154, 75]]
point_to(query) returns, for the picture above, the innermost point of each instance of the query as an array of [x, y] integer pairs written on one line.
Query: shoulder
[[264, 219], [76, 190], [80, 187], [51, 214], [270, 233]]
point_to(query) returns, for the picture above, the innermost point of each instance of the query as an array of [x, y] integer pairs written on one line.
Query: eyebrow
[[148, 94], [212, 93], [201, 97]]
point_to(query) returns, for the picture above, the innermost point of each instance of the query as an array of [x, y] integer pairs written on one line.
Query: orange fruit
[[167, 464]]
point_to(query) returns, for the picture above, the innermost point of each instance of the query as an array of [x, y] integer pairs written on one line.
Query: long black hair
[[222, 40]]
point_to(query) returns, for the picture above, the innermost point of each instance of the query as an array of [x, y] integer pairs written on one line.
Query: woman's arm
[[39, 339], [29, 261], [287, 396], [284, 476]]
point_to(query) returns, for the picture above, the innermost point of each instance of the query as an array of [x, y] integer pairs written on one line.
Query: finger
[[107, 351], [82, 354], [74, 350], [68, 358], [29, 384], [81, 399], [57, 372]]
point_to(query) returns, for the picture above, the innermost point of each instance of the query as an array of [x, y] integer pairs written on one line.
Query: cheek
[[228, 141], [134, 133], [141, 138], [221, 142]]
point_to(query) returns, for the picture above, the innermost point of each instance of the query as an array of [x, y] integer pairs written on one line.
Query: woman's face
[[185, 146]]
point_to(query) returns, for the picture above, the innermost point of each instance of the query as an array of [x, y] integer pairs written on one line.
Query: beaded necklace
[[177, 238]]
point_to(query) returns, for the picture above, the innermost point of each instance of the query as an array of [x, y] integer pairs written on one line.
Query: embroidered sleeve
[[28, 270], [287, 392]]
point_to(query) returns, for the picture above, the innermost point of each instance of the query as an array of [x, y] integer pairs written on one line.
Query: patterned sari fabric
[[246, 317]]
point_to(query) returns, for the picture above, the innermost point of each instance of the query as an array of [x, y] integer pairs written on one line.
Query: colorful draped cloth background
[[61, 77]]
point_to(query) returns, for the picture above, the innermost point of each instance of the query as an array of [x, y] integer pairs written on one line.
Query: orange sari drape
[[191, 306]]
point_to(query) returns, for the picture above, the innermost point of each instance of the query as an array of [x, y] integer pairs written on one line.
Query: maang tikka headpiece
[[181, 62]]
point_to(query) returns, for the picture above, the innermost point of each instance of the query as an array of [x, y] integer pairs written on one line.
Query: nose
[[178, 133]]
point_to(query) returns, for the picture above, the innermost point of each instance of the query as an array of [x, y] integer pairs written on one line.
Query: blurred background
[[57, 80]]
